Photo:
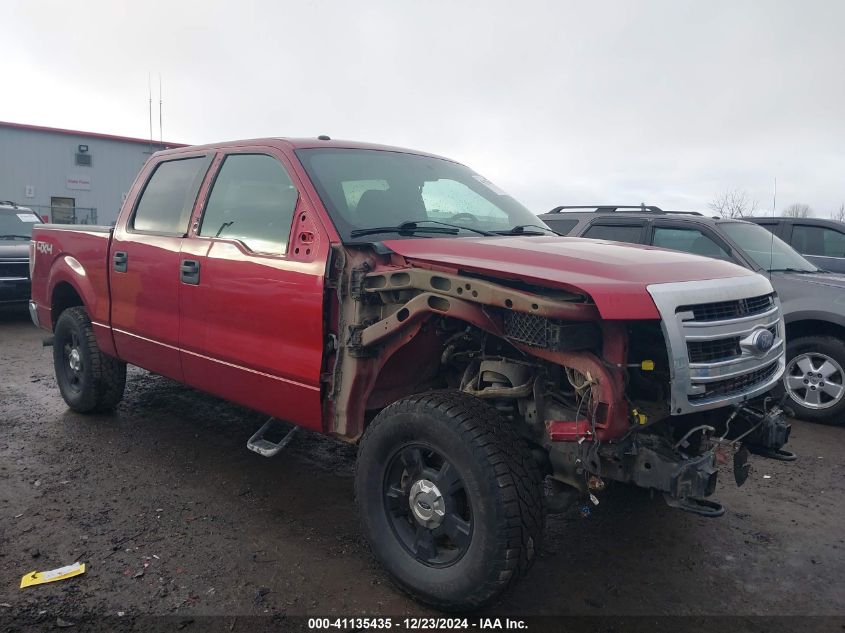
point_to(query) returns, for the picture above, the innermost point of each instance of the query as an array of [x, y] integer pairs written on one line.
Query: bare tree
[[839, 214], [798, 210], [734, 203]]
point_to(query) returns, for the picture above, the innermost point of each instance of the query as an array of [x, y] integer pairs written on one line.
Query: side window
[[689, 241], [253, 200], [618, 233], [834, 243], [168, 198], [561, 226], [816, 240]]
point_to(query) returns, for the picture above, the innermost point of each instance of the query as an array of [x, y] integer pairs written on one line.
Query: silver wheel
[[814, 381]]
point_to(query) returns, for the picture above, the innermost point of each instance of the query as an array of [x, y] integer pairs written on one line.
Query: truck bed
[[70, 266]]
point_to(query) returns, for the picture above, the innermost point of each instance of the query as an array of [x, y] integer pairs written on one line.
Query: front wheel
[[815, 380], [89, 380], [450, 499]]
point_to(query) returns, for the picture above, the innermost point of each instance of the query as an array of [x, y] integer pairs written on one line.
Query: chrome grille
[[718, 350], [739, 384], [710, 327], [725, 310]]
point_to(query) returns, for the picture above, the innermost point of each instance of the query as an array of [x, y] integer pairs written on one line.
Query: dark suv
[[15, 232], [813, 300], [820, 240]]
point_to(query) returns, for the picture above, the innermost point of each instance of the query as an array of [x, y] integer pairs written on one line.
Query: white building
[[70, 176]]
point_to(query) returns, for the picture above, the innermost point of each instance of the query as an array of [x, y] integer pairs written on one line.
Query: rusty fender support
[[570, 306], [424, 305], [608, 406], [359, 371], [414, 295]]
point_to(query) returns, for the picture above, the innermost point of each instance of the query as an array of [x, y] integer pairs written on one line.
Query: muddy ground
[[174, 517]]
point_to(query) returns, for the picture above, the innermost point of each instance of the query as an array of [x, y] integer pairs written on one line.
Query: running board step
[[701, 507], [266, 448]]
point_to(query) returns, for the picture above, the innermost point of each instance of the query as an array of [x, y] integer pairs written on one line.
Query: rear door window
[[631, 233], [688, 240], [818, 240], [253, 201], [168, 198]]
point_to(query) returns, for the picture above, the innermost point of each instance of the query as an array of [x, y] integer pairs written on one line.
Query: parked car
[[821, 241], [813, 300], [16, 224], [489, 369]]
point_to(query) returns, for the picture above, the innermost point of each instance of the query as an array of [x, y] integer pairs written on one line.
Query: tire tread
[[506, 456], [108, 373]]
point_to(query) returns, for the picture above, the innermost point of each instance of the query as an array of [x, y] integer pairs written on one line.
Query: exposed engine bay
[[590, 396]]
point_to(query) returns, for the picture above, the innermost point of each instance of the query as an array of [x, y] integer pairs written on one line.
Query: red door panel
[[145, 302], [252, 332], [252, 329], [144, 263]]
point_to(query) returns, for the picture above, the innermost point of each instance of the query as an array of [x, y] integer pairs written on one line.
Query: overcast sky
[[557, 102]]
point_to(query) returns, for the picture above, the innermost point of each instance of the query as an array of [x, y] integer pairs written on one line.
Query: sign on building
[[76, 181]]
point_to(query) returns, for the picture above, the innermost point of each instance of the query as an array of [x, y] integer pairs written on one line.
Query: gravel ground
[[174, 517]]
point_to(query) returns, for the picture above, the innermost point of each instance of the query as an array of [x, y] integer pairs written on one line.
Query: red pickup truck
[[490, 370]]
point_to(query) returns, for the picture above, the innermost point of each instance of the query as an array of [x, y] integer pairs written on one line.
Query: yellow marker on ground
[[54, 575]]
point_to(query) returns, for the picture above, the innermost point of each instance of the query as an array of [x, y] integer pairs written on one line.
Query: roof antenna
[[774, 227], [150, 90], [160, 134]]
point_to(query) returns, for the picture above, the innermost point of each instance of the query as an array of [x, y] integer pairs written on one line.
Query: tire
[[806, 358], [89, 380], [491, 503]]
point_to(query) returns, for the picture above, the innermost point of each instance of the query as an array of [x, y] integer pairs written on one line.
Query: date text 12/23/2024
[[417, 624]]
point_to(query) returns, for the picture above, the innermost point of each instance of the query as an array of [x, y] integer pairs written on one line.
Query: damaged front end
[[655, 403]]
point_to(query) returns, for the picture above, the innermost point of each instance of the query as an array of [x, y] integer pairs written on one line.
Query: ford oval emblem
[[763, 341]]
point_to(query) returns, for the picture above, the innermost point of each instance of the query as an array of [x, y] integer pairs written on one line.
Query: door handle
[[189, 272], [120, 261]]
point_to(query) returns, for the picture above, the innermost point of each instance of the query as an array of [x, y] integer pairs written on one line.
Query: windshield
[[367, 189], [768, 251], [17, 224]]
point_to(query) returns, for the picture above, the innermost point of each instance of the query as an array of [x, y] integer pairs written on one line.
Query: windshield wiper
[[520, 230], [793, 270], [12, 236], [408, 228], [458, 226]]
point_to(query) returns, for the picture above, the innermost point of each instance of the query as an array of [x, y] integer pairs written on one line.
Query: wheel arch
[[71, 285], [64, 296], [813, 327]]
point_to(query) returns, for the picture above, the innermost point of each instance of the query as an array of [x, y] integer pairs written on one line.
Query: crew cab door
[[251, 289], [144, 264]]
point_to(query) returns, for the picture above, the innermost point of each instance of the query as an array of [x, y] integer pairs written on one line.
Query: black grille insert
[[14, 269], [713, 351], [560, 336], [725, 310], [738, 384]]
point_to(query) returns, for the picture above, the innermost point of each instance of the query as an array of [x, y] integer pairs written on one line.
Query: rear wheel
[[89, 380], [815, 378], [450, 499]]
